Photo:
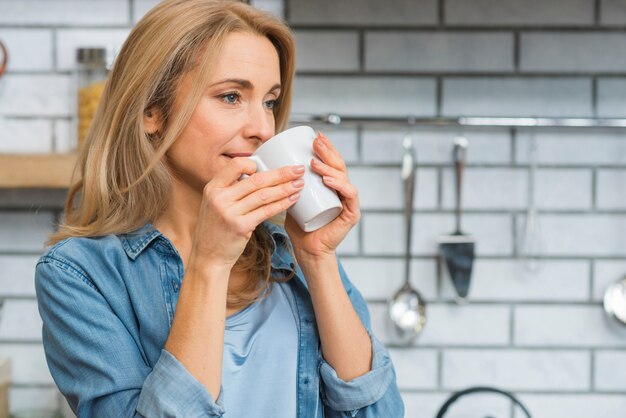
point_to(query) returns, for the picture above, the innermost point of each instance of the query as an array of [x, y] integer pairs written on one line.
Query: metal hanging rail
[[336, 119]]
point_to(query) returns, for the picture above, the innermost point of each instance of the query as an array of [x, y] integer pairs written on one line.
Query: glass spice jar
[[90, 77]]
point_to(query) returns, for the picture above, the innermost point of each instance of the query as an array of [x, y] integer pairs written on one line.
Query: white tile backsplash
[[566, 326], [512, 12], [64, 12], [605, 273], [24, 232], [393, 51], [609, 370], [357, 95], [69, 40], [20, 321], [584, 235], [540, 333], [28, 363], [534, 370], [511, 280], [574, 405], [416, 369], [517, 97], [573, 52], [327, 50], [29, 49], [380, 278], [25, 136], [433, 146], [451, 325], [18, 275], [369, 12], [610, 181]]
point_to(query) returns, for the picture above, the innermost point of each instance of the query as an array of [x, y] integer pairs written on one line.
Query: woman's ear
[[152, 121]]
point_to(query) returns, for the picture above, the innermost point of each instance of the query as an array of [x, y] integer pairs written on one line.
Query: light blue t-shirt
[[260, 359]]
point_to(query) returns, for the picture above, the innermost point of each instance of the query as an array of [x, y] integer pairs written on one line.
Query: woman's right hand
[[232, 208]]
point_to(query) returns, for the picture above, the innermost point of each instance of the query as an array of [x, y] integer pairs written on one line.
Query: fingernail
[[328, 179], [297, 183], [294, 197], [320, 141], [298, 169]]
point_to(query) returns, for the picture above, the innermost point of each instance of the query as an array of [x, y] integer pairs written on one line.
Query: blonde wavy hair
[[123, 181]]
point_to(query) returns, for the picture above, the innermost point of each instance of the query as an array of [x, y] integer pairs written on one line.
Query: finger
[[267, 211], [328, 153], [233, 171], [268, 195], [324, 169], [258, 181], [348, 194]]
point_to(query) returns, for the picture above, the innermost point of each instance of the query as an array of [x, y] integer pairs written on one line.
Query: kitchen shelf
[[41, 171]]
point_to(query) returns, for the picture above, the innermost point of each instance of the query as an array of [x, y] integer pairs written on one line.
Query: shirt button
[[175, 285], [305, 381], [292, 265]]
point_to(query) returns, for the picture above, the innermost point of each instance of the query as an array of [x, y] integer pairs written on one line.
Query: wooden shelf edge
[[44, 171]]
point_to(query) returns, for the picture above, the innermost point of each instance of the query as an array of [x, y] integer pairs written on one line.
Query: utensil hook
[[408, 177]]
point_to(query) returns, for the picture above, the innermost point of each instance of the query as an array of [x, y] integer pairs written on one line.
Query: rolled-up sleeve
[[374, 394], [170, 377], [363, 390], [96, 362]]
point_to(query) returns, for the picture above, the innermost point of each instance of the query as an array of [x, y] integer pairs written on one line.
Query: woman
[[167, 292]]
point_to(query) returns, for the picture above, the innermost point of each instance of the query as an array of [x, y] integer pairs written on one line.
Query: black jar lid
[[91, 55]]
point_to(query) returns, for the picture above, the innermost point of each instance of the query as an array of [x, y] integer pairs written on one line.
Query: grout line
[[594, 190], [592, 274], [574, 392], [512, 326], [594, 96], [441, 14], [131, 12], [55, 41], [516, 51], [287, 12], [53, 132], [439, 382], [592, 370], [361, 51], [439, 96], [460, 27]]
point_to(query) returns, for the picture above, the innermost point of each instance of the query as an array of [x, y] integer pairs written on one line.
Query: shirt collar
[[134, 243]]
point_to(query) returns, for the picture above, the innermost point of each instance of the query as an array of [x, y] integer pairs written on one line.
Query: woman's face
[[234, 116]]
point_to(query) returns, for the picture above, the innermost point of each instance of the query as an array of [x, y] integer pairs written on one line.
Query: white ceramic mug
[[318, 204]]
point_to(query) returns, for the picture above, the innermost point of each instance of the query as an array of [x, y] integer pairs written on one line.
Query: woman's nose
[[260, 123]]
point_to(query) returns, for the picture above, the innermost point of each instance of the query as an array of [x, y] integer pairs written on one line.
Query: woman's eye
[[230, 98], [270, 104]]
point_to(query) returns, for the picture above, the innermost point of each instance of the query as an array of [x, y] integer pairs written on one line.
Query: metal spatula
[[456, 250]]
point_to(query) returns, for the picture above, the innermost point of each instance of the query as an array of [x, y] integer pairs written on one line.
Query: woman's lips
[[238, 154]]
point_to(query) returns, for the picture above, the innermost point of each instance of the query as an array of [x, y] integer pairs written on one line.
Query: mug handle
[[5, 58], [260, 166]]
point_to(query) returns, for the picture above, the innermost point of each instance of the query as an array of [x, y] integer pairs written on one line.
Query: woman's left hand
[[324, 241]]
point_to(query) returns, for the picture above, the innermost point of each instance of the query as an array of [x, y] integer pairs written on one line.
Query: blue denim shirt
[[107, 306]]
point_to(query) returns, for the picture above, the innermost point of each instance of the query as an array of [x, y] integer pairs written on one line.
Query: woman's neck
[[178, 221]]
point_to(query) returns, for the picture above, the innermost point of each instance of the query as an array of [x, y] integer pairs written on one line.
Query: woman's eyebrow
[[244, 84]]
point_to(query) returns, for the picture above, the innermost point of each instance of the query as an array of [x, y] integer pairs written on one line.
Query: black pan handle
[[480, 389]]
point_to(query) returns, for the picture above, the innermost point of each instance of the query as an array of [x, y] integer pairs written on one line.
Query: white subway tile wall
[[542, 334]]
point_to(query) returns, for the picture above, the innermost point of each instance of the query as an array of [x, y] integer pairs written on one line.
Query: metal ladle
[[407, 308]]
